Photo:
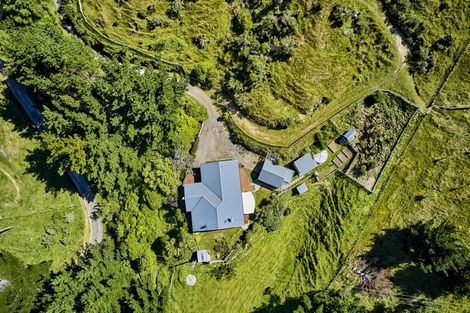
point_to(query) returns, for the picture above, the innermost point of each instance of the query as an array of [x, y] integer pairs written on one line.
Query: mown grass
[[301, 256], [37, 208]]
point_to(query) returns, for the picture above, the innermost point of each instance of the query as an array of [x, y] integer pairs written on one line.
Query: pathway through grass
[[17, 188]]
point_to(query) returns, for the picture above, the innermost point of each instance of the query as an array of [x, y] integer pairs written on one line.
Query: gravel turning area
[[214, 139]]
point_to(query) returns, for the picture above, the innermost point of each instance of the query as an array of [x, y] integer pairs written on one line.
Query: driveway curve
[[214, 138]]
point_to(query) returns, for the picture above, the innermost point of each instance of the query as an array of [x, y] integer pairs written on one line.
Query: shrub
[[175, 9], [339, 15], [421, 61], [225, 270], [156, 22], [321, 140], [363, 170], [272, 213], [200, 41], [437, 249]]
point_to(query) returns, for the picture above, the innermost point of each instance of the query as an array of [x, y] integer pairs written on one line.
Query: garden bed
[[379, 120]]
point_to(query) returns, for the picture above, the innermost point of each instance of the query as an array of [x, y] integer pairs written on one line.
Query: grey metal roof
[[203, 256], [215, 202], [275, 175], [302, 188], [305, 164], [349, 134]]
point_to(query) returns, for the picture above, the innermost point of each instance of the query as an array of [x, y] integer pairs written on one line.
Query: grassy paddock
[[456, 91], [438, 24], [328, 63], [47, 219], [427, 184], [301, 256]]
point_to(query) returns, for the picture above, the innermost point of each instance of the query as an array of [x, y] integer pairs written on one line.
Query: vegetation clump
[[126, 127], [271, 214], [379, 120], [440, 249]]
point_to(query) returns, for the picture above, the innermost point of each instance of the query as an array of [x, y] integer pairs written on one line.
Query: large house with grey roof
[[218, 196], [274, 175]]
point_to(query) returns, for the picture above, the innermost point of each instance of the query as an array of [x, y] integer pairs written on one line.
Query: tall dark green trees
[[122, 125], [440, 249]]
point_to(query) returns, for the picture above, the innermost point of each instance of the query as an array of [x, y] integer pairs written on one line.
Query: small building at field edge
[[348, 136], [302, 188], [305, 164]]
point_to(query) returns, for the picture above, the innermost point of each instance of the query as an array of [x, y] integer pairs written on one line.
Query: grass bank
[[302, 255], [45, 215]]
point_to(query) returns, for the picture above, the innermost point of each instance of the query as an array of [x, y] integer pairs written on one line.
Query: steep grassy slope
[[301, 256], [330, 60], [47, 220]]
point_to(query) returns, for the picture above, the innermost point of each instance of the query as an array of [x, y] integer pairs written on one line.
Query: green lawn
[[48, 219]]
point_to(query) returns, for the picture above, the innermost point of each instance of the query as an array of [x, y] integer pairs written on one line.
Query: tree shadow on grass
[[387, 249], [411, 280], [42, 171], [274, 305], [11, 111], [387, 252]]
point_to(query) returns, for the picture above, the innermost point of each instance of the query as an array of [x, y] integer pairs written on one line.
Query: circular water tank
[[190, 280]]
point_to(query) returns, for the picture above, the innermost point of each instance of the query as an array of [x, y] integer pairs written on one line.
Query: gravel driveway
[[214, 139]]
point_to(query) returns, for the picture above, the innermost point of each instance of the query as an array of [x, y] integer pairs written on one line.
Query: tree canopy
[[126, 127]]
